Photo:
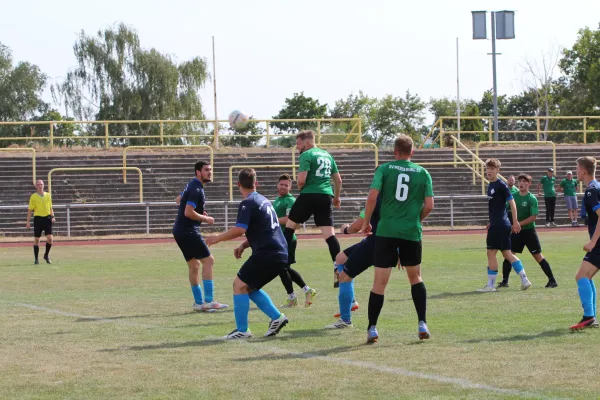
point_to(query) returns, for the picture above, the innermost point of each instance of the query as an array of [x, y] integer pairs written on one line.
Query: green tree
[[21, 88], [117, 79], [581, 65], [240, 137], [299, 107], [394, 115]]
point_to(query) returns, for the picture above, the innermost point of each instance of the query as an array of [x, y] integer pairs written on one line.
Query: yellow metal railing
[[141, 184], [162, 136], [231, 168], [33, 158], [372, 145], [195, 146], [474, 161], [490, 131], [487, 143]]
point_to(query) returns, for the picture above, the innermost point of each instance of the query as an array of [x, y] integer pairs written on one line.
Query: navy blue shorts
[[257, 271], [192, 245], [593, 257], [498, 237], [360, 257]]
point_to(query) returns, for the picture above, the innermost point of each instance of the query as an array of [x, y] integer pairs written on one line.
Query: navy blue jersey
[[591, 200], [498, 194], [192, 195], [258, 217]]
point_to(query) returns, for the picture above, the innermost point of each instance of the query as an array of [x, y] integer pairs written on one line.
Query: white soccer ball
[[238, 119]]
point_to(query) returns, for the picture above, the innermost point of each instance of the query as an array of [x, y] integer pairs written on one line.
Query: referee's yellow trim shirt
[[40, 204]]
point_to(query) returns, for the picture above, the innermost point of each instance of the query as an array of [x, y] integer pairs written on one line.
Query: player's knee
[[208, 262], [343, 277], [49, 239], [239, 287], [341, 258]]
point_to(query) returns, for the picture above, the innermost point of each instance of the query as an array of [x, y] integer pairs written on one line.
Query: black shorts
[[593, 257], [498, 237], [42, 224], [258, 271], [527, 237], [388, 250], [292, 252], [360, 257], [192, 245], [319, 205]]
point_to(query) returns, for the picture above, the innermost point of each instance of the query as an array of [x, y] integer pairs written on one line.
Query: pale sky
[[267, 50]]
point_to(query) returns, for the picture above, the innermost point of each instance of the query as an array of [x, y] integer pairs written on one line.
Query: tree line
[[116, 78]]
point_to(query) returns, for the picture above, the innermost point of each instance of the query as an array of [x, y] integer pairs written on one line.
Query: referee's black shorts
[[527, 237], [42, 224], [318, 205]]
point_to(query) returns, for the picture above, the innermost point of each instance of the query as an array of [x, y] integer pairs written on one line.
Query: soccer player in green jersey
[[282, 205], [568, 186], [317, 199], [527, 212], [406, 199], [548, 182]]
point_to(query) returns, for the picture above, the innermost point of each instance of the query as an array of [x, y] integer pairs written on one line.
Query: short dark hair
[[303, 135], [524, 177], [247, 178], [284, 177], [200, 164], [403, 144]]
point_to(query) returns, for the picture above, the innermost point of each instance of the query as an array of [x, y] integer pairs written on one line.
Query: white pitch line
[[120, 321], [462, 383]]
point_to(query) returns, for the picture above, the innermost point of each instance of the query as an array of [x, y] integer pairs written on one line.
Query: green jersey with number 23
[[403, 186], [320, 165]]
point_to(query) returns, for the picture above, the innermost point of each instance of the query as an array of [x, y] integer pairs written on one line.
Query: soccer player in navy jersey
[[586, 172], [186, 232], [258, 220], [499, 228], [352, 262]]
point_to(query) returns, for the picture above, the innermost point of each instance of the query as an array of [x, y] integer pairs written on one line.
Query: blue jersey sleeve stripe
[[191, 203], [596, 207], [240, 225], [510, 198]]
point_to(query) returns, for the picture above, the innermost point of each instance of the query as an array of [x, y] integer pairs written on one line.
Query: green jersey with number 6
[[403, 186], [320, 165]]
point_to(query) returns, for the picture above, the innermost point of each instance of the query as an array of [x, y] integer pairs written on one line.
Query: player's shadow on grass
[[445, 295], [515, 338], [280, 355], [158, 346], [289, 334]]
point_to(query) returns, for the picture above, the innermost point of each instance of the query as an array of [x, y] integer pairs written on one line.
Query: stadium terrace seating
[[165, 173]]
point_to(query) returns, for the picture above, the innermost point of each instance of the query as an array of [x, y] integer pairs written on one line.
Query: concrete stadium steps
[[165, 174]]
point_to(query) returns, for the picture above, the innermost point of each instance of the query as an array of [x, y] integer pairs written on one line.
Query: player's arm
[[233, 233], [539, 191], [561, 187], [427, 207], [52, 213], [354, 227], [178, 200], [369, 208], [528, 220], [191, 213], [516, 227], [301, 179], [337, 188]]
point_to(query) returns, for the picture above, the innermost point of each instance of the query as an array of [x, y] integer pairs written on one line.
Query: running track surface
[[84, 242]]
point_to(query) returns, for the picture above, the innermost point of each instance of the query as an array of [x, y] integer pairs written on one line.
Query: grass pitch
[[115, 321]]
